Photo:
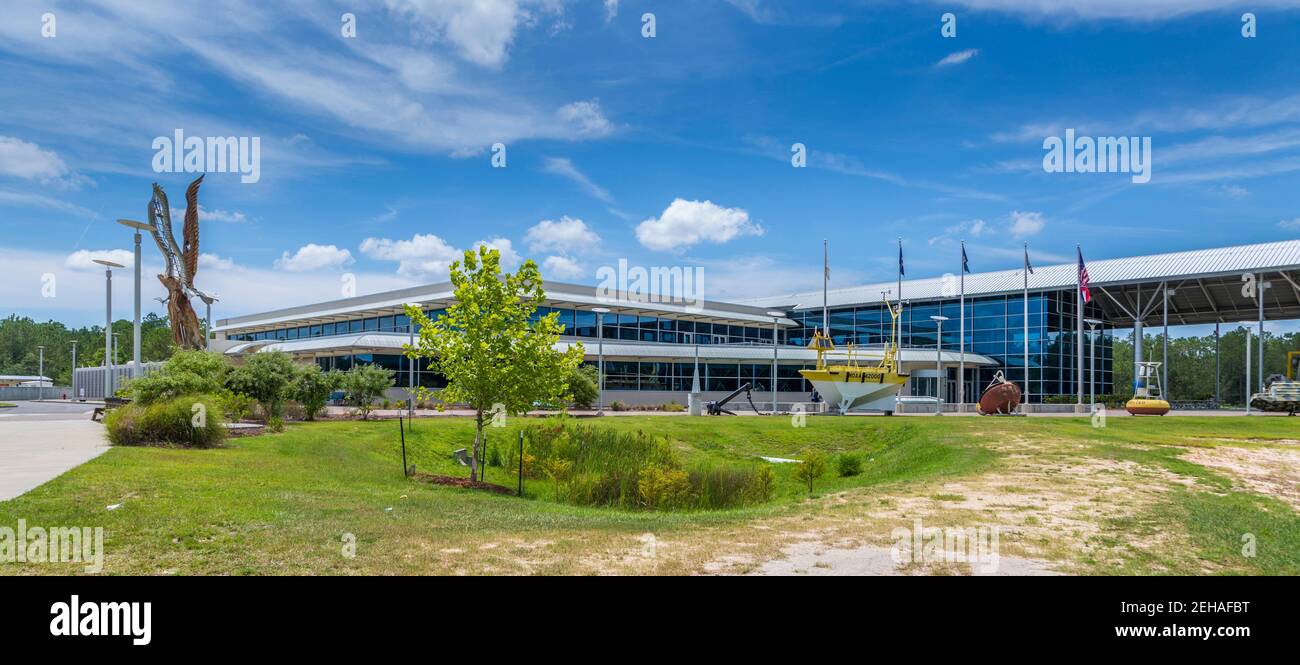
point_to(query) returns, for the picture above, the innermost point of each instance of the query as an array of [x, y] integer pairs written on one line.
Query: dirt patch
[[464, 483], [811, 558], [1273, 472]]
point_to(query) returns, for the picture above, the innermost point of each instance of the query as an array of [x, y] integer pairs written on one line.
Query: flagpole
[[898, 338], [1078, 299], [826, 276], [961, 341], [1026, 322]]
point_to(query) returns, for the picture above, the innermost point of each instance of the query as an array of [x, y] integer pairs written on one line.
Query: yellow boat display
[[847, 385]]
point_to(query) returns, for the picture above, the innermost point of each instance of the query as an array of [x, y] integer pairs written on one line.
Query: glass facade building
[[994, 328]]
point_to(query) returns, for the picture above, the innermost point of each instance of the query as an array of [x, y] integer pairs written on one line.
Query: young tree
[[312, 387], [584, 385], [489, 348], [811, 468], [265, 377], [186, 373], [364, 384]]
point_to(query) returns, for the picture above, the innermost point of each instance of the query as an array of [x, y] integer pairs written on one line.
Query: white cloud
[[1147, 10], [31, 200], [29, 161], [314, 257], [585, 119], [1290, 224], [206, 215], [214, 262], [510, 259], [480, 30], [561, 267], [958, 57], [685, 223], [970, 227], [611, 10], [564, 167], [569, 235], [1024, 224], [84, 259], [424, 256]]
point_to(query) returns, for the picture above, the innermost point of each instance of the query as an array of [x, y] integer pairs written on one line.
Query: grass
[[6, 405], [285, 503]]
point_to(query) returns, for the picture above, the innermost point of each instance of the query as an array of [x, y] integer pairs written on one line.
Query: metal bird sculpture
[[181, 263]]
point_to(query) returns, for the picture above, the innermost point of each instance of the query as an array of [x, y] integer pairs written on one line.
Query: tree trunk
[[473, 450]]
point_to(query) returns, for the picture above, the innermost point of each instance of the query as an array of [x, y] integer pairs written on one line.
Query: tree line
[[1191, 363], [20, 337]]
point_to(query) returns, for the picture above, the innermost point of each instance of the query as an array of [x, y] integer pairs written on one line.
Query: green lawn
[[282, 503], [4, 405]]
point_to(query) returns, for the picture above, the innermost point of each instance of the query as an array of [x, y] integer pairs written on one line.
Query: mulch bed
[[464, 483]]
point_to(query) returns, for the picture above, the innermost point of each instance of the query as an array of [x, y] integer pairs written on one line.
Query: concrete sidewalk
[[33, 453]]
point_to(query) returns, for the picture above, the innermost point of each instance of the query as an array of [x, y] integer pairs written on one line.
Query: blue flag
[[965, 263], [900, 258]]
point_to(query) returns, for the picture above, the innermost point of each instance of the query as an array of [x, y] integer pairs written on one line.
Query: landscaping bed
[[463, 483]]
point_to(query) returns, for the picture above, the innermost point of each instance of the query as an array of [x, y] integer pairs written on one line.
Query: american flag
[[1083, 278]]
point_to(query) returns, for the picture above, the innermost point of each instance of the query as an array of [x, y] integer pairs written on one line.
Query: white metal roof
[[1270, 256], [617, 349]]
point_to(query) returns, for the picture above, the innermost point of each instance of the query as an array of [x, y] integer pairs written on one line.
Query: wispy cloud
[[564, 167], [957, 58]]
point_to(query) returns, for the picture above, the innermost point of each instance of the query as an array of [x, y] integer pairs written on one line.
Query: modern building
[[652, 349]]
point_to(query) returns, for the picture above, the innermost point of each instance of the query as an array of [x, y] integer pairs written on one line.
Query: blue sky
[[672, 150]]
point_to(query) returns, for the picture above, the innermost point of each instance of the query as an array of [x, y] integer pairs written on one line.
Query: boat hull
[[849, 391]]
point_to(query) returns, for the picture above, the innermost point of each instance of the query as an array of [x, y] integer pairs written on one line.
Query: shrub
[[185, 373], [236, 406], [673, 407], [604, 467], [275, 424], [584, 385], [811, 468], [848, 464], [617, 406], [195, 421], [265, 377], [364, 384], [312, 387]]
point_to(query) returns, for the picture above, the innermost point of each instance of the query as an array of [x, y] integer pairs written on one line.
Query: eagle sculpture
[[182, 262]]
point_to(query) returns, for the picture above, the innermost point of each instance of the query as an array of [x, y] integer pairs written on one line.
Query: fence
[[88, 382], [22, 393]]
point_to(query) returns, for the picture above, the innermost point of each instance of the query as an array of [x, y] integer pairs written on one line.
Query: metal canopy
[[1200, 300]]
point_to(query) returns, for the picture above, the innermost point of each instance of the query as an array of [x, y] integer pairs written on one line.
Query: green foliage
[[632, 470], [848, 465], [193, 421], [236, 406], [811, 468], [185, 373], [488, 346], [19, 337], [364, 384], [265, 377], [312, 387], [584, 386]]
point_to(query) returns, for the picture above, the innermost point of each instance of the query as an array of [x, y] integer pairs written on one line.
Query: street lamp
[[600, 350], [1248, 325], [207, 330], [410, 377], [40, 375], [1262, 287], [116, 339], [938, 365], [1092, 361], [108, 322], [135, 344], [776, 333]]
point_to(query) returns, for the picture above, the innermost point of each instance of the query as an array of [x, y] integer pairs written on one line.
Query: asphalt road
[[39, 441], [28, 411]]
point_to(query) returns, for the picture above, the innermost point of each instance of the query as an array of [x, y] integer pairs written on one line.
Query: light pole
[[1092, 361], [135, 343], [1262, 287], [207, 330], [116, 339], [74, 369], [1247, 325], [40, 375], [410, 378], [776, 333], [600, 350], [1164, 347], [938, 366], [108, 322]]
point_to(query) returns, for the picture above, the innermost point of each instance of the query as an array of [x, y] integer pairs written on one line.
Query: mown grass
[[283, 503]]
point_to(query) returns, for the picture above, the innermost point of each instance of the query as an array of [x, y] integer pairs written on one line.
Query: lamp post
[[116, 338], [40, 375], [207, 329], [74, 369], [1247, 325], [776, 332], [108, 322], [1262, 287], [1164, 347], [938, 365], [600, 358], [135, 343], [1092, 361], [410, 376]]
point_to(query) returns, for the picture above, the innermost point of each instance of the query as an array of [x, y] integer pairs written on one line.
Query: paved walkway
[[37, 450]]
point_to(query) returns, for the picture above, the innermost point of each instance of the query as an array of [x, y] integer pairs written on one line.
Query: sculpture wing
[[160, 226], [191, 231]]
